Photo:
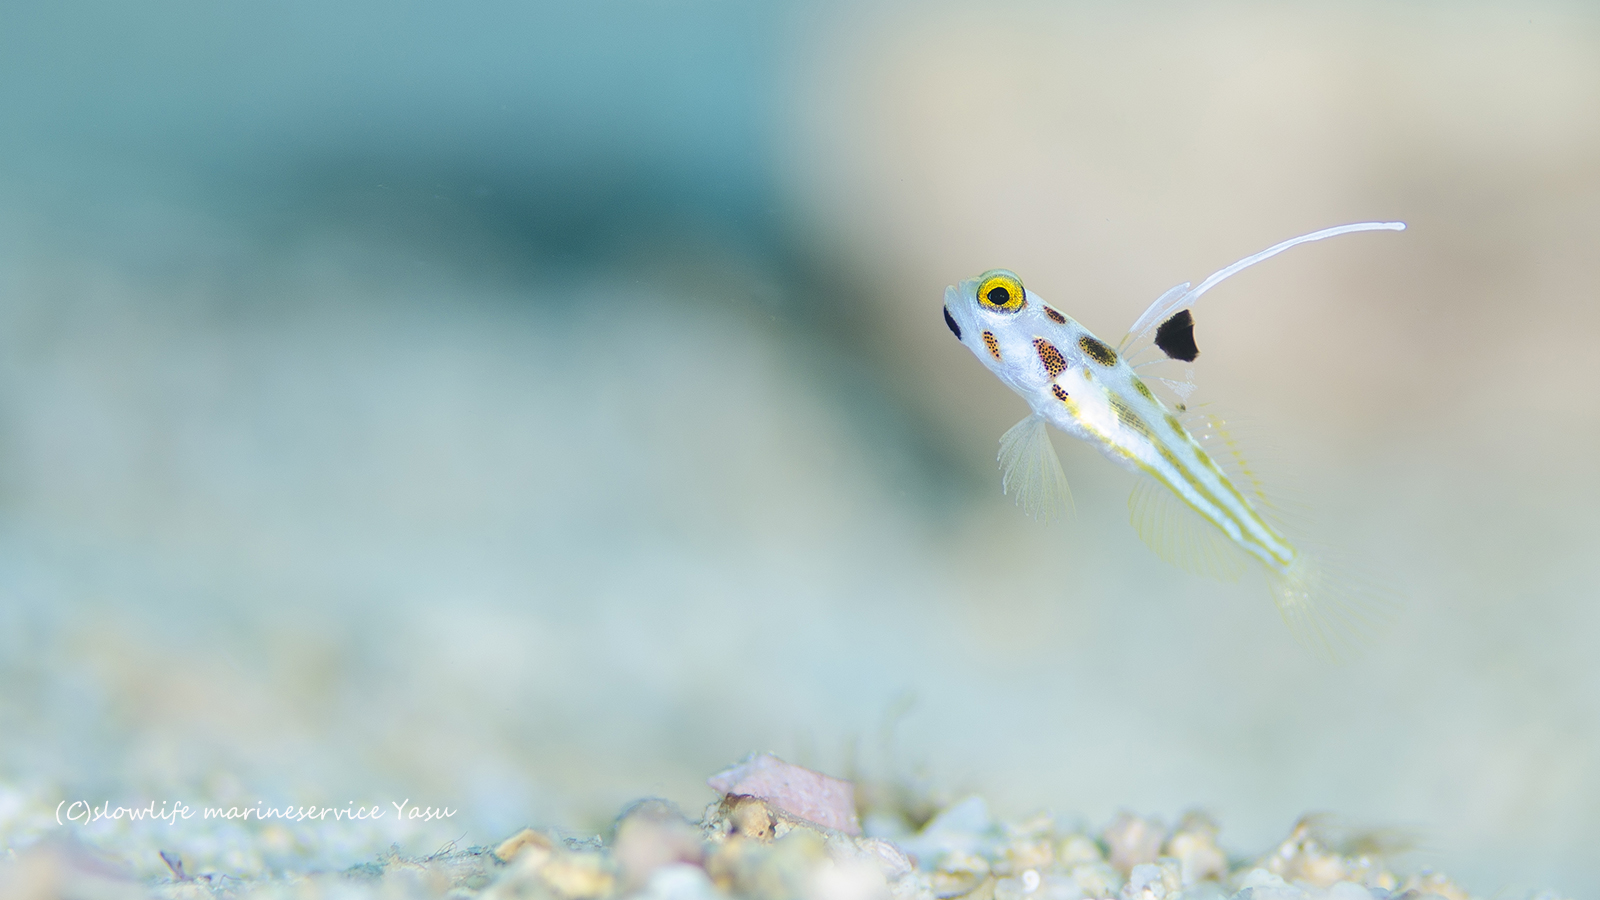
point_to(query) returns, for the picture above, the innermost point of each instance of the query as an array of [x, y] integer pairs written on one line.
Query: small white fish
[[1081, 385]]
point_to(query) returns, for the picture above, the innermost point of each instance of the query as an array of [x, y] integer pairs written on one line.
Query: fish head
[[992, 300], [1010, 330]]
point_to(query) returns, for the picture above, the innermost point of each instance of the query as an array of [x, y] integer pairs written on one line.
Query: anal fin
[[1181, 536]]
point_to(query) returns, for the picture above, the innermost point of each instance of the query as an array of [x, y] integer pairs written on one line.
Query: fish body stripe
[[1176, 460], [1199, 483]]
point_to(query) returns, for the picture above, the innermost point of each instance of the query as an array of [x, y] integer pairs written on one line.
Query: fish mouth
[[951, 322]]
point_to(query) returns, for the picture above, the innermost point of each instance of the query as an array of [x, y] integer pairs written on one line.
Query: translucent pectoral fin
[[1030, 470], [1181, 536]]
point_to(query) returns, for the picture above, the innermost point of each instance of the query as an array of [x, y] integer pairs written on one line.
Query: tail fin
[[1334, 613]]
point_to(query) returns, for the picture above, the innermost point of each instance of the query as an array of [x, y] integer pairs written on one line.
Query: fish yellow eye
[[1000, 290]]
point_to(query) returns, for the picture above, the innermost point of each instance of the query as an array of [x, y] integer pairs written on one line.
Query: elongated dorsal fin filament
[[1182, 295]]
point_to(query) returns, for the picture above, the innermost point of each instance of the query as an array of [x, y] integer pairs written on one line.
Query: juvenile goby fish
[[1200, 507]]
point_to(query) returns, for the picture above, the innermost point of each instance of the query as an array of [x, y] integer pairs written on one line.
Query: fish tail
[[1330, 609]]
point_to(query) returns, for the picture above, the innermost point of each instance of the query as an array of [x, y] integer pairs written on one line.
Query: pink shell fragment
[[813, 796]]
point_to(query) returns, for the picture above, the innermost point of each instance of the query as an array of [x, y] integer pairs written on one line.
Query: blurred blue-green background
[[530, 407]]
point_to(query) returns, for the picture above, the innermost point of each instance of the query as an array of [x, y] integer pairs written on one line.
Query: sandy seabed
[[753, 846]]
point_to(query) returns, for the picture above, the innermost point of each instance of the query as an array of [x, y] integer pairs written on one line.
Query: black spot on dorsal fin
[[1175, 337]]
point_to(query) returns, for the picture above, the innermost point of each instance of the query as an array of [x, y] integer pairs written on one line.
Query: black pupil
[[999, 296]]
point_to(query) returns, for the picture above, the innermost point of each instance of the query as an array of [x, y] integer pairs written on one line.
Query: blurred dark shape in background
[[566, 129]]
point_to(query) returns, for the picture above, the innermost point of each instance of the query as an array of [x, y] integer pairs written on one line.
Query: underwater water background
[[531, 407]]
